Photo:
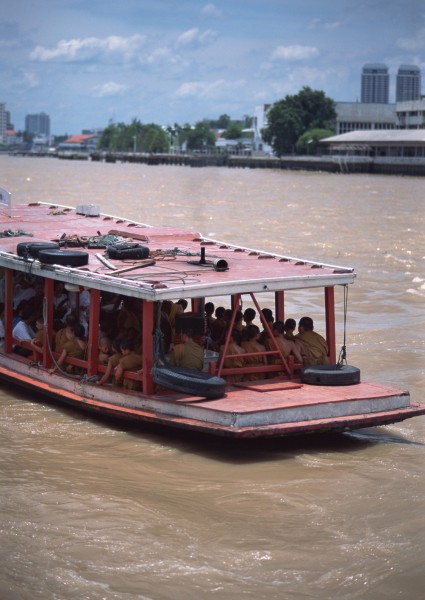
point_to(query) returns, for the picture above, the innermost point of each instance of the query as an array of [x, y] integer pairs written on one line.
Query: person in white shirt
[[23, 331]]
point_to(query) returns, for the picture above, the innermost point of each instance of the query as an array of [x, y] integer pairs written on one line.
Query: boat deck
[[176, 252]]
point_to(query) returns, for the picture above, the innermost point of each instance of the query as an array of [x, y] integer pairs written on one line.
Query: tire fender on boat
[[32, 249], [331, 375], [69, 258], [189, 381]]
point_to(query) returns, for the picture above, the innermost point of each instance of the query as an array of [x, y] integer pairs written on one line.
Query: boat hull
[[257, 410]]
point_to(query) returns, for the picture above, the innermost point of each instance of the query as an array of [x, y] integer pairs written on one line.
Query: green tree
[[289, 118], [153, 138], [200, 137], [307, 143], [222, 122], [233, 131]]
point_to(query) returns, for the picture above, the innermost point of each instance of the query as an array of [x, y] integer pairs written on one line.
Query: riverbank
[[330, 164]]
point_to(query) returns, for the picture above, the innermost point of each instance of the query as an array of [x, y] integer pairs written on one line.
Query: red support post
[[8, 309], [48, 325], [148, 327], [330, 323], [93, 347], [279, 301]]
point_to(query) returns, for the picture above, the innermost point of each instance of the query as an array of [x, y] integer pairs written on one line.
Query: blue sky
[[89, 62]]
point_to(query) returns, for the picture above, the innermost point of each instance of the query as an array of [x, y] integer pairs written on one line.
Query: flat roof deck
[[177, 270]]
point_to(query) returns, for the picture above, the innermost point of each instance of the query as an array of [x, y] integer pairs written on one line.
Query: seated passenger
[[75, 347], [112, 363], [64, 334], [129, 361], [23, 331], [37, 341], [290, 326], [209, 312], [219, 327], [238, 323], [183, 304], [250, 344], [268, 317], [129, 318], [234, 349], [314, 347], [287, 347], [187, 354], [105, 348], [249, 316]]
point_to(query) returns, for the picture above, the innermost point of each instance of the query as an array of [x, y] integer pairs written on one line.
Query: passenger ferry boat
[[104, 257]]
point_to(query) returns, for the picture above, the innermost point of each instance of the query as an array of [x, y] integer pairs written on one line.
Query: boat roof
[[178, 267]]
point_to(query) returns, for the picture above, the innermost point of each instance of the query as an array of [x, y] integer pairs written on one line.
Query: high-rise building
[[408, 86], [375, 84], [3, 122], [38, 124]]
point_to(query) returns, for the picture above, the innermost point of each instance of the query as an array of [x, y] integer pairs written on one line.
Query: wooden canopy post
[[8, 309], [235, 303], [93, 346], [148, 327], [279, 303], [330, 322], [48, 334]]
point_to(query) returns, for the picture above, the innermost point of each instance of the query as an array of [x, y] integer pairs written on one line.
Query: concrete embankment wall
[[329, 164]]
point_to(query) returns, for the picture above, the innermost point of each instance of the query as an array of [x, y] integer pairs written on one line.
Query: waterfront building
[[389, 144], [408, 83], [259, 123], [411, 115], [83, 143], [375, 84], [38, 124], [355, 116]]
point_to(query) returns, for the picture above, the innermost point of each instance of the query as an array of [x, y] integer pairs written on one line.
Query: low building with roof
[[393, 151], [80, 143], [401, 143]]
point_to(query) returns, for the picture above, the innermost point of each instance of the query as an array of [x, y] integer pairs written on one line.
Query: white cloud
[[210, 10], [326, 25], [109, 89], [413, 43], [195, 36], [87, 48], [295, 52], [201, 89]]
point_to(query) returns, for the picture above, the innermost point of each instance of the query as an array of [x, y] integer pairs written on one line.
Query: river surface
[[95, 511]]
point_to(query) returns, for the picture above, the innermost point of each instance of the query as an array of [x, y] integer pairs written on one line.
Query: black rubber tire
[[138, 252], [331, 375], [189, 381], [31, 249], [68, 258]]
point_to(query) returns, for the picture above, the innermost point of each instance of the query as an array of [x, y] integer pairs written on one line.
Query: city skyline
[[87, 64]]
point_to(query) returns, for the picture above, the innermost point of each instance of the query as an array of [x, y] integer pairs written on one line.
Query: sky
[[88, 63]]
